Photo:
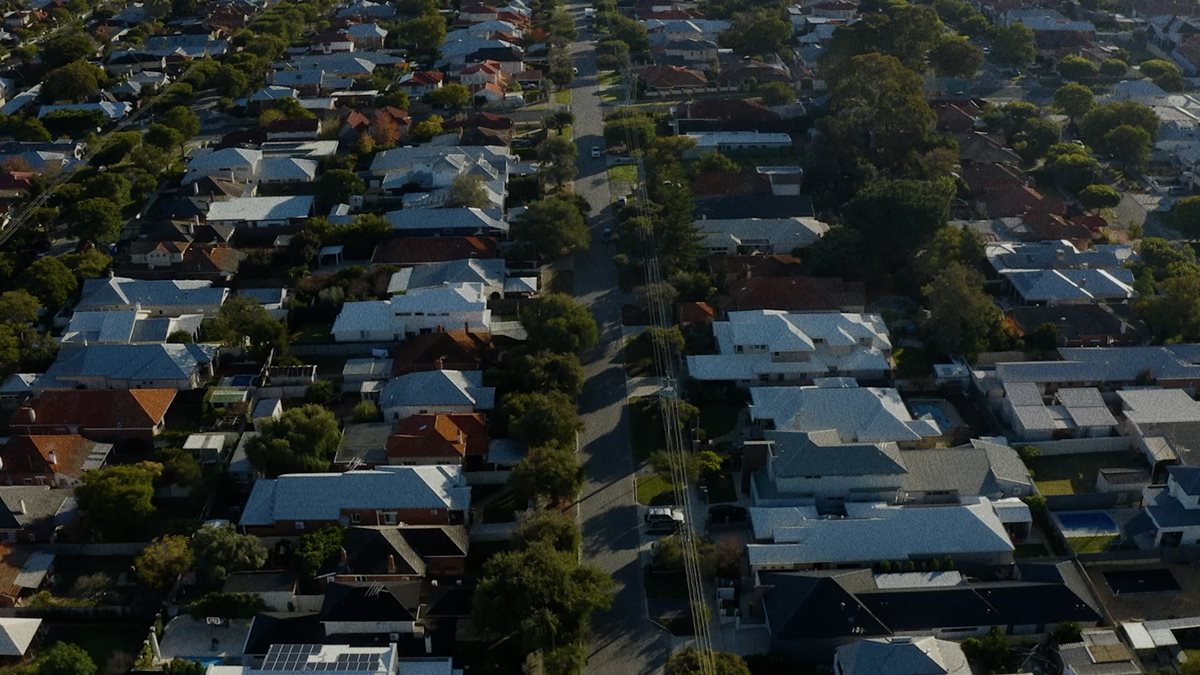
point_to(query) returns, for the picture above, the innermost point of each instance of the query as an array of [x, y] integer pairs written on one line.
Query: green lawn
[[1076, 474], [1094, 544], [623, 173], [563, 96], [318, 333], [718, 418], [654, 490], [504, 508]]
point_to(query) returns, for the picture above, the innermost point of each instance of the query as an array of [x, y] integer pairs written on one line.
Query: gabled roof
[[455, 350], [16, 634], [114, 292], [138, 363], [36, 508], [804, 454], [366, 602], [858, 414], [449, 436], [907, 655], [253, 209], [438, 388], [96, 409], [72, 455], [417, 250]]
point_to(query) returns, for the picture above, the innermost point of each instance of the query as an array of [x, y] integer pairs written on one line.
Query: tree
[[955, 56], [179, 468], [322, 393], [423, 34], [947, 246], [318, 548], [183, 120], [338, 185], [1073, 67], [116, 499], [50, 281], [992, 650], [1014, 44], [1185, 217], [454, 96], [962, 318], [161, 563], [468, 191], [74, 82], [896, 217], [302, 440], [633, 33], [540, 596], [688, 662], [183, 667], [108, 185], [713, 161], [540, 418], [116, 148], [612, 54], [365, 412], [19, 307], [1075, 99], [556, 323], [163, 137], [559, 120], [1102, 119], [556, 159], [64, 658], [775, 93], [1153, 68], [228, 606], [759, 32], [549, 526], [630, 130], [242, 321], [1129, 145], [1113, 68], [551, 227], [97, 219], [428, 128], [549, 472], [220, 549], [903, 30], [67, 47], [1099, 196], [548, 371], [1074, 169], [878, 111]]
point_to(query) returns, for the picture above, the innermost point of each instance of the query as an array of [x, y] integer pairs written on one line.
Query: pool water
[[1087, 523]]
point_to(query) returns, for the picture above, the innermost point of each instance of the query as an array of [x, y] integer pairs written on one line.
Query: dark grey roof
[[36, 507], [976, 469], [366, 602], [760, 206], [1187, 477], [259, 582], [801, 454]]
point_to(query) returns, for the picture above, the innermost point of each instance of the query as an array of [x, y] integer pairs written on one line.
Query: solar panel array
[[297, 658]]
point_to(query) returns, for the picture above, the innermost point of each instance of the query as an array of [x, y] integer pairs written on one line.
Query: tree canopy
[[550, 526], [962, 318], [302, 440], [73, 82], [116, 499], [896, 217], [540, 418], [1075, 99], [955, 56], [557, 323], [64, 658], [551, 227], [242, 320], [1014, 44], [161, 563], [221, 549], [549, 472], [97, 219], [687, 662], [318, 548]]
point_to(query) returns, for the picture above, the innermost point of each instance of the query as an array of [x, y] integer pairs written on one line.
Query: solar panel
[[288, 657]]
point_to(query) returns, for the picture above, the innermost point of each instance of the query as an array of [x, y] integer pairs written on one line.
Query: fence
[[1181, 554], [338, 348], [1081, 446], [1091, 501], [91, 550]]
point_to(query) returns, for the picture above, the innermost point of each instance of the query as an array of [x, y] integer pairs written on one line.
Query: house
[[1108, 368], [134, 414], [450, 350], [405, 251], [362, 608], [439, 439], [367, 35], [672, 78], [982, 467], [50, 459], [791, 293], [1056, 272], [22, 571], [157, 298], [728, 114], [35, 513], [1074, 412], [145, 366], [16, 634], [1052, 30], [857, 414], [1079, 325], [735, 142], [1162, 424], [389, 495], [380, 554], [108, 111], [901, 655], [765, 346], [261, 212], [127, 327], [489, 273], [746, 236], [420, 311], [41, 157], [1100, 652], [972, 533], [435, 391], [419, 83], [1170, 515], [304, 658], [449, 222]]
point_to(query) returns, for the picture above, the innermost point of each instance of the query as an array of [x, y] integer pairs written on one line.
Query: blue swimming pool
[[241, 380], [1084, 523], [920, 409]]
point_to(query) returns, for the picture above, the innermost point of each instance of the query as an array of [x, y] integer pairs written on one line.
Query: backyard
[[1092, 544], [101, 640], [1076, 474]]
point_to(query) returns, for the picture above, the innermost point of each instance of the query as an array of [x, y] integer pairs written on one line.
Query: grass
[[718, 418], [563, 96], [1076, 474], [623, 173], [654, 490], [1030, 551], [1093, 544], [504, 508], [318, 333]]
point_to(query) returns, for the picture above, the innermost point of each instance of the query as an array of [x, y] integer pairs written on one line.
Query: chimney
[[428, 644], [192, 224], [467, 327], [20, 507], [391, 564], [345, 557], [440, 364], [53, 458]]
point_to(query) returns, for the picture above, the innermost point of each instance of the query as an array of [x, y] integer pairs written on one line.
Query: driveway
[[624, 642]]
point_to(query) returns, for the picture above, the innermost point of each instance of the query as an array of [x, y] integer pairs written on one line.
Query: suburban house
[[735, 142], [435, 391], [972, 533], [491, 274], [261, 212], [447, 222], [243, 165], [1170, 516], [1072, 412], [35, 514], [1162, 424], [439, 438], [131, 414], [745, 236], [767, 346], [423, 310], [1099, 652], [1080, 325], [49, 459], [144, 366], [1107, 368], [404, 250], [380, 554], [857, 414], [901, 654], [157, 298], [128, 326], [389, 495]]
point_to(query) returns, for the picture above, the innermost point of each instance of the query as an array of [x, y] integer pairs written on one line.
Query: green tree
[[454, 96], [688, 662], [423, 34], [713, 161], [64, 658], [549, 371], [242, 321], [220, 549], [557, 323], [1129, 145], [50, 281], [184, 667], [161, 563], [992, 651], [19, 307], [1099, 196], [323, 393], [556, 159], [1014, 45], [775, 93], [179, 468], [549, 472], [1154, 68], [947, 246], [116, 147], [629, 130], [1075, 99], [540, 418], [67, 47], [962, 318], [1102, 119], [1073, 169], [97, 219], [1114, 68], [539, 596], [1073, 67], [550, 526], [896, 217], [108, 185], [427, 128], [302, 440], [1185, 217], [316, 549], [338, 185], [551, 227], [758, 32], [633, 33], [898, 29], [72, 83], [468, 191], [183, 120], [955, 56], [116, 499], [228, 606], [365, 412], [878, 111]]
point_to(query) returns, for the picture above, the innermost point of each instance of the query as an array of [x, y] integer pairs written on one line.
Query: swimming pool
[[1086, 523], [920, 409]]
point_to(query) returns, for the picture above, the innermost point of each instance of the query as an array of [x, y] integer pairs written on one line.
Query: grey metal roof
[[802, 454]]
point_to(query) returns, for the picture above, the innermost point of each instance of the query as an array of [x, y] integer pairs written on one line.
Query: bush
[[227, 605]]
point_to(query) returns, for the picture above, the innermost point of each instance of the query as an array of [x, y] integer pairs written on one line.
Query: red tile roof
[[96, 409], [448, 436], [417, 250], [453, 350], [795, 294], [31, 455]]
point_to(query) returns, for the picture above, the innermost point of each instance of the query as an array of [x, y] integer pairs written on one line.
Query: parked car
[[595, 151], [664, 518], [606, 235]]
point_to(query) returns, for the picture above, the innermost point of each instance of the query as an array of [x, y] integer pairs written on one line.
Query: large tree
[[1129, 145], [319, 548], [116, 499], [241, 321], [549, 473], [542, 418], [548, 371], [962, 318], [1099, 196], [72, 83], [955, 56], [551, 227], [64, 658], [221, 549], [892, 28], [556, 159], [1102, 119], [302, 440], [66, 47], [539, 596], [878, 112], [1075, 99], [760, 31], [552, 526], [50, 281], [1014, 44], [161, 563], [896, 217], [97, 219], [338, 185], [1073, 67], [1185, 216], [557, 323], [423, 34], [688, 662]]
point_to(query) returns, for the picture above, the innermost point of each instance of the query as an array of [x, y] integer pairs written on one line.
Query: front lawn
[[654, 490], [623, 173], [1076, 474], [563, 96]]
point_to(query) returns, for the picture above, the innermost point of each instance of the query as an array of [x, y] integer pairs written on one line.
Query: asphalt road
[[624, 642]]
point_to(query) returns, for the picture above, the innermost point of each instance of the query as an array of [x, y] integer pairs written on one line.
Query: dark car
[[725, 514]]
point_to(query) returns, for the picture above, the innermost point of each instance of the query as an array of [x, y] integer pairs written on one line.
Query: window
[[389, 518], [356, 518], [299, 524]]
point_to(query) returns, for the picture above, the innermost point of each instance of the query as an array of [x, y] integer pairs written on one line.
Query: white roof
[[490, 272], [35, 569], [112, 292], [1056, 255], [255, 209], [1147, 406], [794, 232], [444, 219], [287, 169], [204, 442], [716, 139], [16, 634], [1072, 285], [857, 414], [323, 496], [394, 315]]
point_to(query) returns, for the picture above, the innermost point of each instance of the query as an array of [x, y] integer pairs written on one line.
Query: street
[[624, 642]]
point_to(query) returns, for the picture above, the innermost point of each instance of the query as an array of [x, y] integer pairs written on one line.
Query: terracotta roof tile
[[31, 454], [442, 435], [97, 409], [417, 250]]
